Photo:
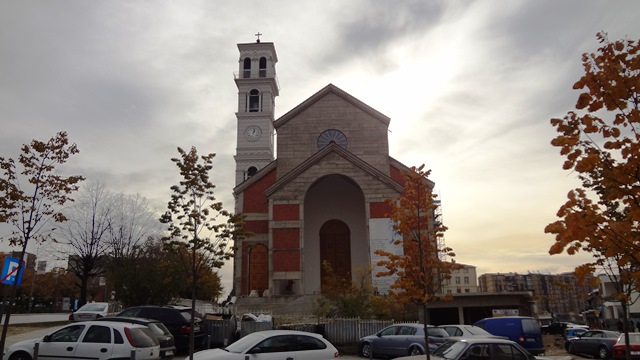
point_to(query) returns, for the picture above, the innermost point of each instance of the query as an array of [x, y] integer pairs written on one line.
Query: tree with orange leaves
[[32, 196], [601, 143], [421, 269]]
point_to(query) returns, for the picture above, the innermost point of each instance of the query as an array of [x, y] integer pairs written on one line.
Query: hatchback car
[[274, 344], [468, 331], [99, 340], [402, 339], [478, 348], [90, 311], [596, 343], [177, 320], [619, 349], [167, 346]]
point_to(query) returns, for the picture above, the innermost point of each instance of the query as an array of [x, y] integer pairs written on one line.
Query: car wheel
[[571, 349], [603, 353], [415, 351], [365, 350], [20, 355]]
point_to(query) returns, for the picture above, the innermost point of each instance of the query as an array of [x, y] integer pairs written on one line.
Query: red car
[[619, 347]]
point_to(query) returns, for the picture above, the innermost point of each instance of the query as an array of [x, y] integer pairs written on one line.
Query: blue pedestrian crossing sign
[[10, 270]]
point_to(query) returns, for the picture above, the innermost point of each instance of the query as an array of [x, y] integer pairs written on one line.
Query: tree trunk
[[425, 320]]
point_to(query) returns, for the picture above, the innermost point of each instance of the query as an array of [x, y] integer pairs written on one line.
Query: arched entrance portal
[[335, 249]]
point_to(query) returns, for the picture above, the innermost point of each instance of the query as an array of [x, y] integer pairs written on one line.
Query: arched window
[[263, 67], [252, 170], [254, 101], [246, 73]]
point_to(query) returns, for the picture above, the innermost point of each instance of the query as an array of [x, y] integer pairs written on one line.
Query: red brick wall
[[286, 212], [257, 226], [286, 249], [397, 175], [254, 200], [379, 210]]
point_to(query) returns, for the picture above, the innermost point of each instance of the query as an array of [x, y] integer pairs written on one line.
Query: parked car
[[90, 311], [402, 339], [523, 330], [468, 331], [596, 343], [176, 319], [478, 348], [98, 340], [558, 328], [167, 346], [274, 344], [572, 333], [619, 349]]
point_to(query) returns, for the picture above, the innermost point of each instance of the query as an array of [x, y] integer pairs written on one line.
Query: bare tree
[[86, 234], [132, 223]]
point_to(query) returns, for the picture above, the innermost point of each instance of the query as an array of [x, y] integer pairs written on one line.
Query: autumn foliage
[[421, 268], [601, 143]]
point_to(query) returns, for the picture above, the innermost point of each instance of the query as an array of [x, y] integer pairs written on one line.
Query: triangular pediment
[[323, 153], [331, 89]]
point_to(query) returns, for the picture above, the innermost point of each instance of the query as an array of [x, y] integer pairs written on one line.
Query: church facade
[[322, 199]]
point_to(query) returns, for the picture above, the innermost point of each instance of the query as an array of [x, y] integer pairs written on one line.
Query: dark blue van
[[522, 329]]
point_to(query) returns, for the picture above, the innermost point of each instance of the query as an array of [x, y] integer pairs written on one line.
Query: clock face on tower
[[253, 133]]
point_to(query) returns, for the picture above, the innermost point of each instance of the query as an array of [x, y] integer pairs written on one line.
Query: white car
[[90, 311], [468, 331], [97, 340], [274, 344]]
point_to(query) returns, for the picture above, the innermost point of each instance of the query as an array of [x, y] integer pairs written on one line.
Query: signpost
[[10, 270]]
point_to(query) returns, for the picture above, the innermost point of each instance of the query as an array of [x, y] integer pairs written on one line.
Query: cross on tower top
[[258, 35]]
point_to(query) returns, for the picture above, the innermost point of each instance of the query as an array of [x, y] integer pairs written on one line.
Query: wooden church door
[[335, 248]]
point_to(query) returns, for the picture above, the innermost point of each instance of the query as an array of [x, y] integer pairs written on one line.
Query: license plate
[[168, 353], [85, 316], [531, 340], [635, 353]]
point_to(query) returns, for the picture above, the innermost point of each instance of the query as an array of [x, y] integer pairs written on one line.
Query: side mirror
[[379, 334], [47, 338], [255, 350]]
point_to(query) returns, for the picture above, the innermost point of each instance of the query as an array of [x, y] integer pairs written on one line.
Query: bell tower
[[257, 89]]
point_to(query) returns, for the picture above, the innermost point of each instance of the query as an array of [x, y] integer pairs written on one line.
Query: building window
[[254, 101], [251, 171], [467, 291], [458, 290], [246, 72], [263, 67], [466, 279], [457, 280]]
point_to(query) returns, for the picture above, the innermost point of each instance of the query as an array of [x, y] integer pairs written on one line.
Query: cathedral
[[322, 198]]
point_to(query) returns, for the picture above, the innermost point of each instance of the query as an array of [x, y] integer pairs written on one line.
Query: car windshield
[[158, 328], [438, 332], [245, 343], [451, 349], [93, 307], [633, 339], [474, 330]]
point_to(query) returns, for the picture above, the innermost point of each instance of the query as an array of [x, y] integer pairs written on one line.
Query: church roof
[[339, 92], [329, 149]]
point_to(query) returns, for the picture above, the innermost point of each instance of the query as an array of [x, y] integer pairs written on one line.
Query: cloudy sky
[[470, 87]]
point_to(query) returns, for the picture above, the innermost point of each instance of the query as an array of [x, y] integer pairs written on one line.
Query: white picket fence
[[339, 331]]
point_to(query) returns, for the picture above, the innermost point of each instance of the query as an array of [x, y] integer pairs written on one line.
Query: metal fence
[[339, 331]]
